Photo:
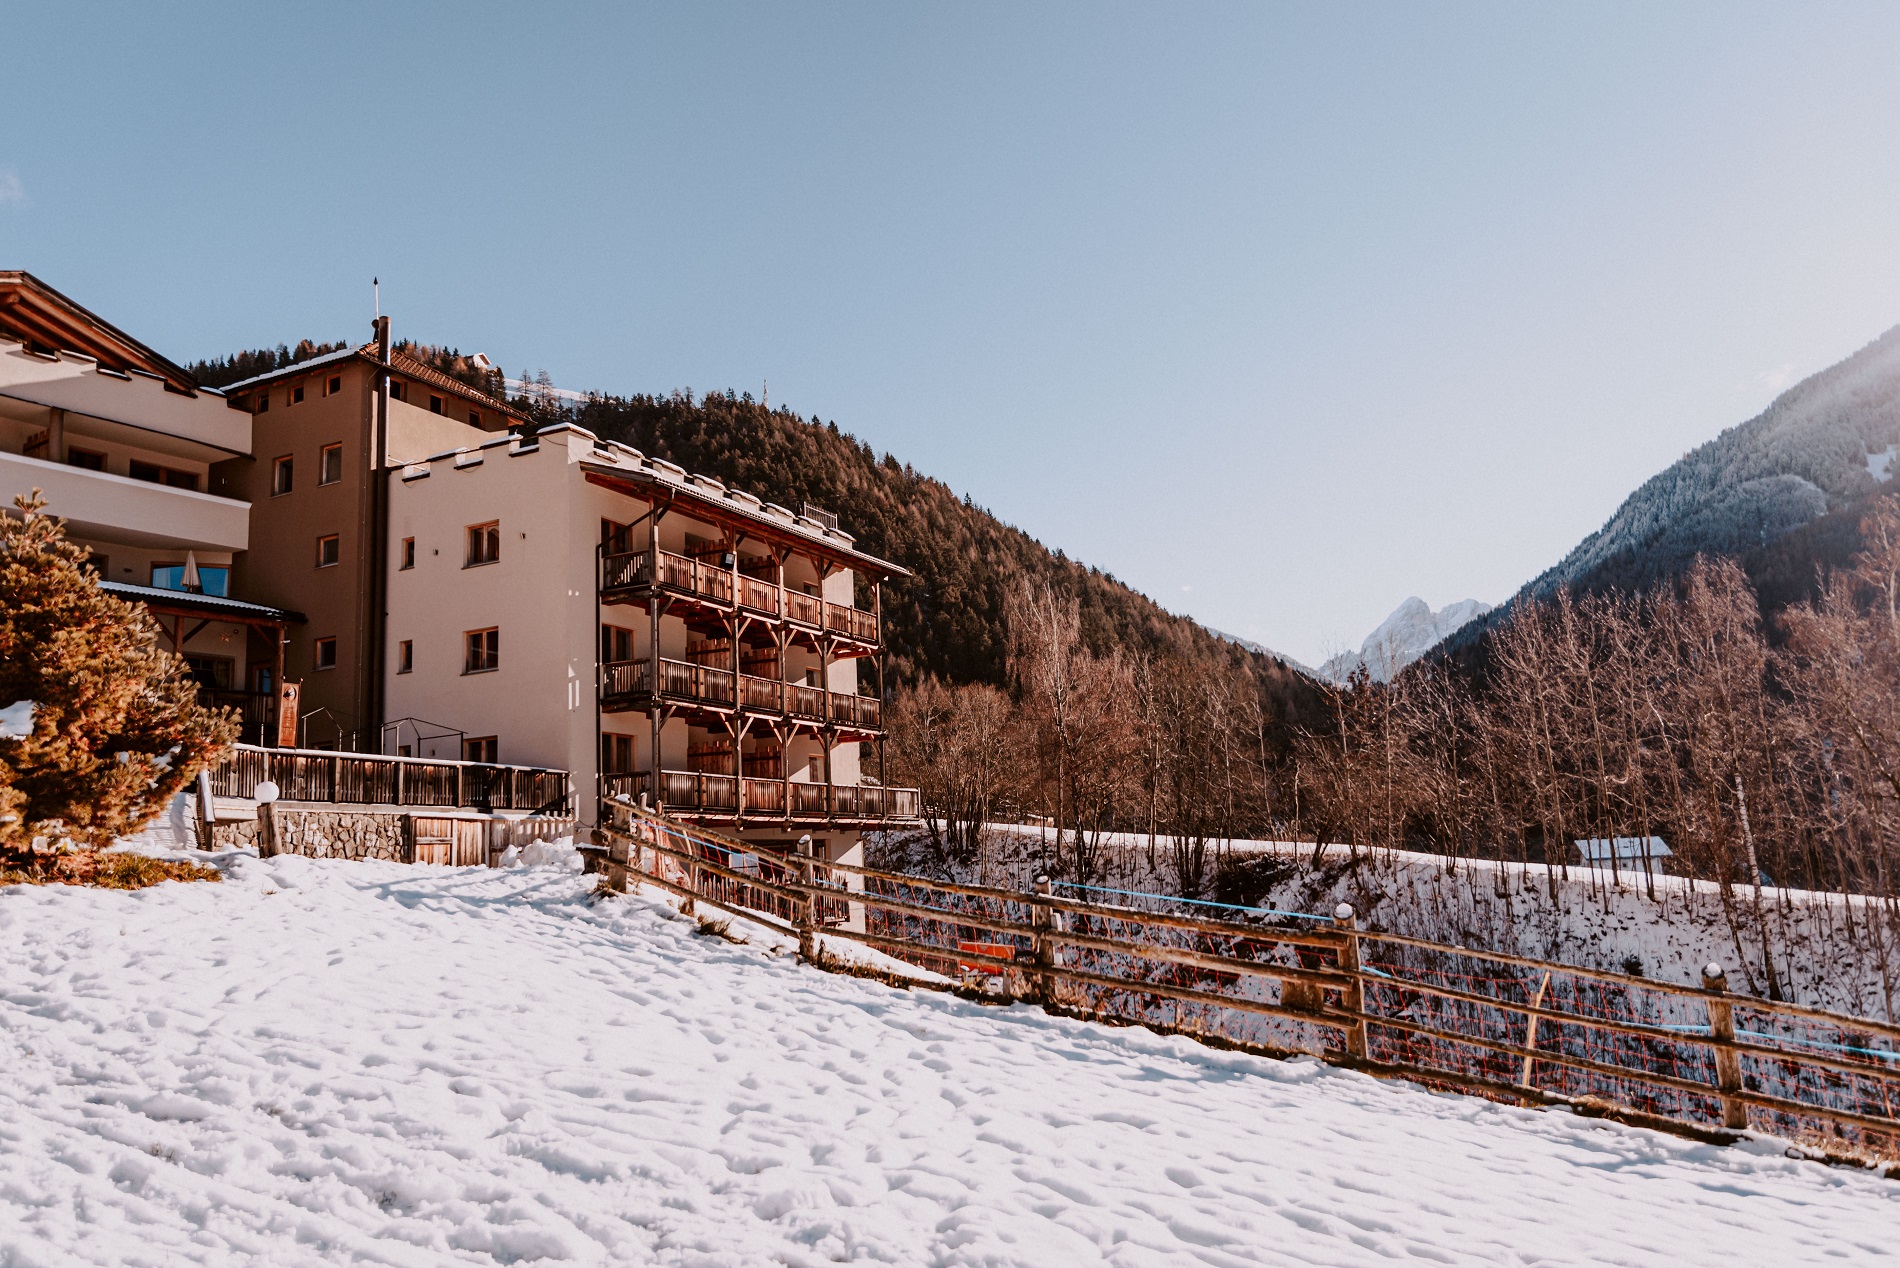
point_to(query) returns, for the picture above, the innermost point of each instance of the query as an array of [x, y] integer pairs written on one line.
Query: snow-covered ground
[[324, 1062]]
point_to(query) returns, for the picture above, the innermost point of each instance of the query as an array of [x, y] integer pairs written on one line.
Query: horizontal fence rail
[[1684, 1058], [702, 792], [321, 775]]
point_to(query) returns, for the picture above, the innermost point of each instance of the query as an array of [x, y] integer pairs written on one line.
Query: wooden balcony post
[[1728, 1062], [1353, 994], [336, 769]]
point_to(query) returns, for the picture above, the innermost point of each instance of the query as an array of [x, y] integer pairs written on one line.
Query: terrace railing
[[321, 775], [700, 792]]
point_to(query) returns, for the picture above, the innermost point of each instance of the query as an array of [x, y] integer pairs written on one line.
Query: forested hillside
[[1824, 445], [948, 620]]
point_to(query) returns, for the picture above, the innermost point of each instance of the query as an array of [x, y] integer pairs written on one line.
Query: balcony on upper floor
[[627, 686], [701, 589], [97, 504]]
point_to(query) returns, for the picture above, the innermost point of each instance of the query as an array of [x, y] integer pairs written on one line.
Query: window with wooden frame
[[87, 459], [152, 473], [296, 395], [405, 656], [484, 544], [435, 404], [330, 464], [617, 538], [408, 555], [397, 388], [263, 401], [616, 645], [333, 385], [481, 748], [283, 473], [481, 651], [474, 418], [616, 754], [325, 655], [329, 551]]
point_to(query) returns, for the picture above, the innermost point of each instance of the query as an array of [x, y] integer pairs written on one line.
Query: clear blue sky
[[1279, 314]]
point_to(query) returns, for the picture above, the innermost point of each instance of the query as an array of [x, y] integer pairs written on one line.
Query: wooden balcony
[[372, 779], [696, 795], [628, 577], [626, 685]]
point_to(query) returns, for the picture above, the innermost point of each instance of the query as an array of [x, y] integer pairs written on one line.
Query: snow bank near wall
[[1829, 950]]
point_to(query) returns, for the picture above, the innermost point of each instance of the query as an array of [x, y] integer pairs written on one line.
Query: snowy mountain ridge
[[1412, 630]]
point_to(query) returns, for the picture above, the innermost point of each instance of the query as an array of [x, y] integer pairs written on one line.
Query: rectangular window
[[214, 672], [263, 402], [435, 405], [155, 474], [481, 651], [99, 566], [616, 754], [282, 472], [481, 748], [296, 395], [396, 390], [405, 656], [616, 645], [474, 418], [330, 464], [617, 538], [85, 458], [213, 581], [329, 551], [334, 385], [326, 653], [408, 554], [484, 544]]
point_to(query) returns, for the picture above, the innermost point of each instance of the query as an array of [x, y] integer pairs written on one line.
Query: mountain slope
[[1825, 444]]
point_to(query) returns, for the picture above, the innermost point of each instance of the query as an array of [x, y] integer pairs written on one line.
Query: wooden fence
[[1692, 1059]]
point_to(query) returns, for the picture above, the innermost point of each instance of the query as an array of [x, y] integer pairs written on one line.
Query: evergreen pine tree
[[112, 725]]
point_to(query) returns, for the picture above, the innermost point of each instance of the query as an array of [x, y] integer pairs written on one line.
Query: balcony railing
[[634, 569], [373, 779], [701, 684], [698, 793], [758, 595], [853, 623]]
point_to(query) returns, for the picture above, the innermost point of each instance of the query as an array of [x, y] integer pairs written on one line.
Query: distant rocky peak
[[1412, 630]]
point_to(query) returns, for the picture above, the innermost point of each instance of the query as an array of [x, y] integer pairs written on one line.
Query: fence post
[[807, 915], [336, 771], [1353, 993], [266, 829], [1530, 1035], [1042, 917], [207, 812], [1728, 1062]]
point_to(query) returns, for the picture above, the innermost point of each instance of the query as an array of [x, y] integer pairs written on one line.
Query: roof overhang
[[38, 314], [652, 486], [209, 605]]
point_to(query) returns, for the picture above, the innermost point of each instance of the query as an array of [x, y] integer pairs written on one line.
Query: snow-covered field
[[324, 1062]]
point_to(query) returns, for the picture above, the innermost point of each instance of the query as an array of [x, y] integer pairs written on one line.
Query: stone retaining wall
[[326, 834]]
